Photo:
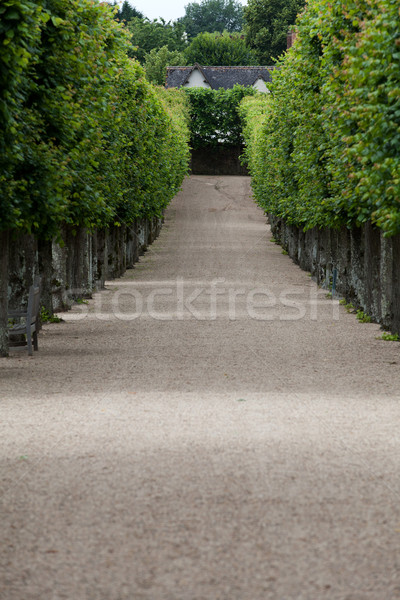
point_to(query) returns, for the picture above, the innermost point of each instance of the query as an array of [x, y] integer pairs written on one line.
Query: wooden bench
[[29, 322]]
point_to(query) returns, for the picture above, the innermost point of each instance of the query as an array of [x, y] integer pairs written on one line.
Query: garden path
[[209, 427]]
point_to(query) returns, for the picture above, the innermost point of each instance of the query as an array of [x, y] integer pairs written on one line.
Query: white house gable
[[260, 85], [196, 79], [216, 77]]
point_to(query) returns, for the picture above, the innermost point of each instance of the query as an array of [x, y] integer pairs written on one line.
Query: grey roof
[[219, 77]]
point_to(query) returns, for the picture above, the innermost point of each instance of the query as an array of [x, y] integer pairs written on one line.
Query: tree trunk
[[4, 240], [46, 271]]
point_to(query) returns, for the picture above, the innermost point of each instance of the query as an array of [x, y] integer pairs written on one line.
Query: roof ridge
[[236, 67], [221, 66]]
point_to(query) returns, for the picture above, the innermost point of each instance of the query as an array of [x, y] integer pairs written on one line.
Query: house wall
[[261, 86], [196, 79]]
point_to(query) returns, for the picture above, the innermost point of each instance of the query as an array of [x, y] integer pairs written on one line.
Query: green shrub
[[157, 60], [85, 139], [150, 147], [326, 150], [223, 48], [215, 116]]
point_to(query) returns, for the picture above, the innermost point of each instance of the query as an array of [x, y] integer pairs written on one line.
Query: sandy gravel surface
[[209, 427]]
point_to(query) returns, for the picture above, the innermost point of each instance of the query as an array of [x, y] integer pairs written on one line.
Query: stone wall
[[76, 266], [367, 265]]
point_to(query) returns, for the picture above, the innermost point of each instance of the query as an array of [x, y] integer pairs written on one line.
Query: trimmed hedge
[[324, 149], [150, 147], [215, 117], [84, 138]]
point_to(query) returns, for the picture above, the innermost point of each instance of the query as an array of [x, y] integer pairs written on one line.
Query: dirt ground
[[209, 427]]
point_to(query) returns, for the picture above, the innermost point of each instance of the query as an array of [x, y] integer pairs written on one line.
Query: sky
[[170, 10]]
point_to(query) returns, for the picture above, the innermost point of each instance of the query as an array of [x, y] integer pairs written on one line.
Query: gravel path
[[209, 427]]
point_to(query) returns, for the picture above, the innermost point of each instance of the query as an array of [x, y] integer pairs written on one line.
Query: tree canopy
[[225, 49], [156, 62], [127, 12], [212, 15], [266, 26], [149, 35]]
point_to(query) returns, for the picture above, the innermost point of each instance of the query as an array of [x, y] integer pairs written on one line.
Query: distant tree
[[212, 15], [215, 49], [148, 35], [266, 26], [127, 12], [156, 62]]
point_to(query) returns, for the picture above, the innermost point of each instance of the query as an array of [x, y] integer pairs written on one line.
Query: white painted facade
[[196, 79], [261, 86]]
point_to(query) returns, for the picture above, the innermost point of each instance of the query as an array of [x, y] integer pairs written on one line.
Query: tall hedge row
[[84, 138], [324, 148], [215, 116]]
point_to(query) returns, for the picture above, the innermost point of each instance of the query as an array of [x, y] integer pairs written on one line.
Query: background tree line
[[212, 32]]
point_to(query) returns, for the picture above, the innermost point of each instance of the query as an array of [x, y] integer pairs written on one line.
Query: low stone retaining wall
[[367, 264], [77, 266]]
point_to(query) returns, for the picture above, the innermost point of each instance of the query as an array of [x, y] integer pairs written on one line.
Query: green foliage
[[364, 51], [266, 26], [148, 35], [215, 117], [363, 317], [213, 49], [46, 317], [127, 12], [212, 15], [20, 26], [156, 62], [348, 306], [85, 139], [325, 152], [152, 150], [253, 111], [390, 337], [19, 36], [49, 167], [175, 155]]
